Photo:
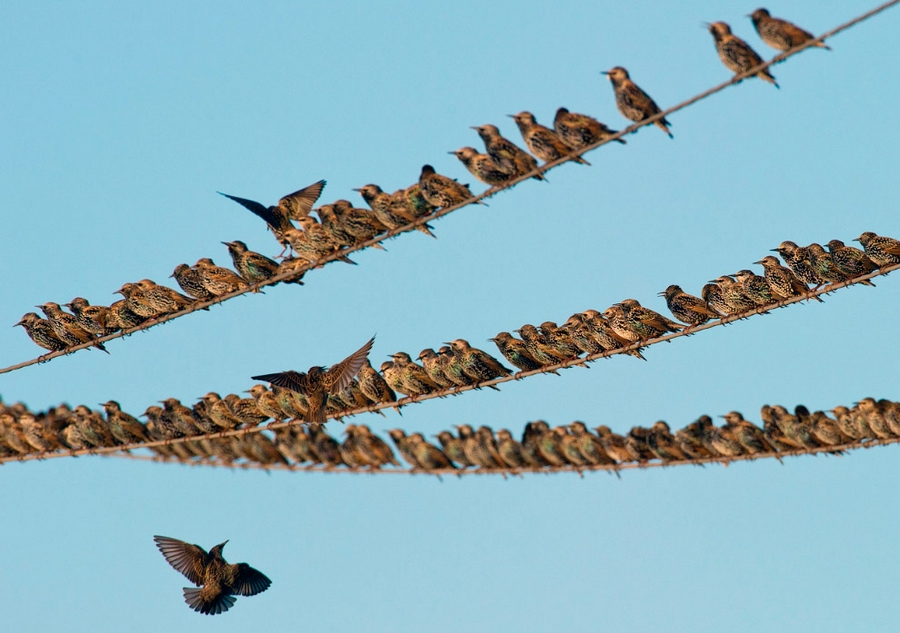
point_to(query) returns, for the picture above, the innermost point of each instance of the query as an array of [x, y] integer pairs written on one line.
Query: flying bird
[[317, 382], [217, 581]]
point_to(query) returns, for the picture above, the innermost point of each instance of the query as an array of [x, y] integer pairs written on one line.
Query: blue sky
[[121, 123]]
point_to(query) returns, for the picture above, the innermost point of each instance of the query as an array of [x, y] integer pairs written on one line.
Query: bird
[[94, 319], [253, 267], [403, 444], [634, 103], [293, 206], [124, 427], [851, 261], [389, 215], [755, 287], [733, 295], [313, 243], [477, 364], [373, 385], [122, 317], [662, 443], [317, 382], [602, 331], [780, 34], [189, 280], [646, 322], [453, 449], [66, 326], [412, 379], [216, 279], [783, 283], [589, 445], [541, 140], [736, 54], [483, 166], [41, 332], [216, 579], [431, 362], [884, 251], [349, 226], [579, 131], [441, 191], [508, 155], [824, 265], [428, 456], [687, 308], [537, 346], [515, 351], [580, 334]]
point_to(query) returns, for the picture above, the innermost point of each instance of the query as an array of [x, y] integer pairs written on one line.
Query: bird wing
[[260, 210], [287, 379], [184, 557], [249, 581], [338, 377], [300, 203]]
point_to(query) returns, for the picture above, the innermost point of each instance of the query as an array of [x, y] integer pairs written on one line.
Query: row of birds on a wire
[[572, 445], [341, 225], [354, 383]]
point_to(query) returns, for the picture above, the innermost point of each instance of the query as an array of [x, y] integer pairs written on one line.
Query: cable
[[199, 305], [455, 390]]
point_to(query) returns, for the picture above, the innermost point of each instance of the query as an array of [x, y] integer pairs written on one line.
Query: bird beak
[[511, 116], [705, 25], [360, 189], [454, 153], [775, 250], [759, 262], [661, 294], [604, 72], [475, 127]]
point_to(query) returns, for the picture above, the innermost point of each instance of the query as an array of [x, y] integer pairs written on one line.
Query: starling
[[751, 437], [373, 385], [715, 299], [687, 308], [313, 242], [531, 436], [736, 54], [579, 131], [558, 340], [780, 34], [549, 446], [512, 453], [884, 251], [723, 441], [634, 103], [477, 449], [246, 410], [854, 427], [219, 412], [428, 456], [405, 447], [453, 449], [327, 448], [93, 427], [350, 452], [797, 259], [190, 280], [476, 364], [541, 140], [755, 287], [442, 191], [161, 299], [619, 325], [690, 440], [328, 219], [66, 326], [733, 295], [266, 402], [483, 167], [485, 436], [416, 204], [580, 334], [826, 431], [891, 412], [12, 436], [217, 580], [413, 379], [253, 267], [433, 367], [317, 382], [868, 409], [41, 332], [824, 265], [359, 224], [389, 215], [373, 447], [646, 322], [507, 154], [515, 351], [773, 433], [452, 367], [124, 427], [637, 443], [123, 318], [851, 261], [796, 430], [218, 280], [569, 447], [662, 443], [36, 433], [181, 417], [292, 206], [601, 330], [589, 445], [783, 283], [93, 319]]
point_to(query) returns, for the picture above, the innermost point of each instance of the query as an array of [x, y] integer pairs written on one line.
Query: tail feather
[[196, 601]]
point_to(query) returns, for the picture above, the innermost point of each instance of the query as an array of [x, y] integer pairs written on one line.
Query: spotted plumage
[[687, 308], [66, 326], [95, 320], [851, 261], [440, 190], [783, 283], [736, 54], [579, 131], [884, 251], [634, 103], [189, 280], [541, 140], [482, 166], [755, 287], [508, 155], [41, 332], [780, 34], [253, 267]]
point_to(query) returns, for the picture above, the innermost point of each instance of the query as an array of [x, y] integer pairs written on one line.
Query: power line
[[199, 305], [456, 390]]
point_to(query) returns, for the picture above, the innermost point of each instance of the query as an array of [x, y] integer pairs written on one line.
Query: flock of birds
[[340, 225], [541, 447]]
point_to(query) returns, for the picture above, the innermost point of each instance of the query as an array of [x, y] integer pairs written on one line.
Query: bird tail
[[196, 601], [426, 229], [664, 126], [100, 347]]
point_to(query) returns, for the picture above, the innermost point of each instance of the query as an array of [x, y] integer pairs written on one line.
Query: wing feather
[[249, 581], [258, 209], [287, 379], [339, 376], [298, 204], [188, 559]]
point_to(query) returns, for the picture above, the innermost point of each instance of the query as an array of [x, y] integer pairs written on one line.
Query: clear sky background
[[120, 123]]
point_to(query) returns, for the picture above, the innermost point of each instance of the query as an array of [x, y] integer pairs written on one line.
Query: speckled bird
[[662, 443], [124, 427], [348, 225], [825, 267], [687, 308], [453, 449], [431, 361], [373, 385], [783, 283], [95, 320], [884, 251], [66, 326], [217, 279], [482, 166], [645, 322], [602, 332], [512, 453], [404, 446], [733, 295], [780, 34], [41, 332], [313, 243], [477, 364], [558, 340], [413, 380], [634, 103], [751, 437], [579, 131], [755, 287], [123, 317], [580, 334], [797, 259], [389, 215], [537, 347], [851, 261], [541, 140], [189, 280], [589, 445], [515, 351], [440, 190], [428, 456], [508, 155], [317, 382], [690, 439], [736, 54], [253, 267], [217, 581]]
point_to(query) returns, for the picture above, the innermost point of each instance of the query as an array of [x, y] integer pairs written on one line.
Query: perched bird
[[189, 280], [884, 251], [509, 156], [662, 443], [580, 334], [373, 386], [477, 364], [41, 332], [824, 265], [433, 366], [755, 287], [253, 267], [515, 351], [453, 449], [373, 448], [558, 340], [313, 243], [412, 379], [218, 581], [691, 439], [579, 131], [602, 331], [736, 54], [589, 445], [538, 347], [482, 166], [216, 279], [783, 283], [733, 295], [477, 450], [780, 34], [687, 308], [66, 326], [124, 427], [348, 226], [512, 453], [442, 191], [391, 216], [634, 103], [149, 299], [751, 437], [646, 322], [403, 444], [428, 456], [94, 319], [851, 261], [291, 207], [317, 382], [541, 140], [122, 317]]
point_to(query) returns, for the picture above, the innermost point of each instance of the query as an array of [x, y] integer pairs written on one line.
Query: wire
[[199, 305], [456, 390], [505, 472]]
